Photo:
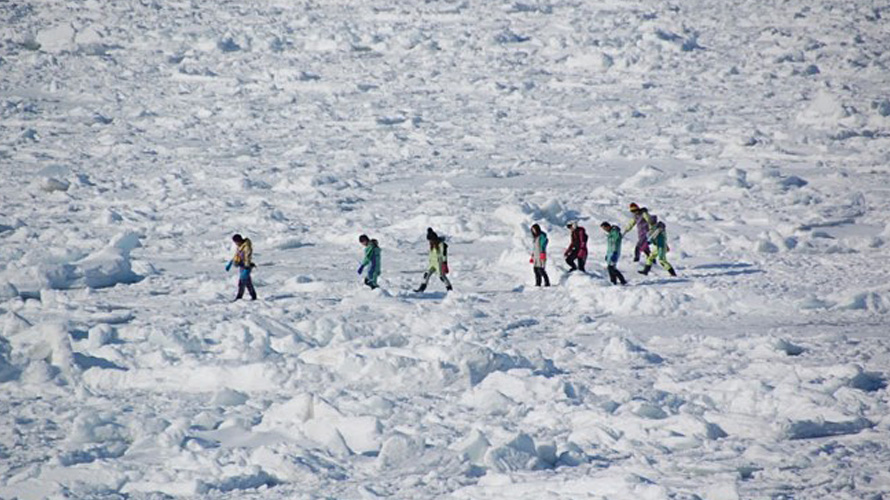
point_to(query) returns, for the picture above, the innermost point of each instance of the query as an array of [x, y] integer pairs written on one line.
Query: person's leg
[[581, 262], [240, 289], [612, 276], [662, 260], [537, 276], [619, 276], [250, 288], [649, 261], [426, 280], [447, 283], [644, 246], [637, 249], [570, 260], [546, 278]]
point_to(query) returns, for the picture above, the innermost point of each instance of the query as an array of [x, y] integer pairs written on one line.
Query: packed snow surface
[[137, 136]]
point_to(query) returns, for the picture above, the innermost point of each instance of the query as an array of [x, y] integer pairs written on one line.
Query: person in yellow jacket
[[243, 260], [438, 261]]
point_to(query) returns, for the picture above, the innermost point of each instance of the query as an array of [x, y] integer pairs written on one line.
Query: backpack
[[444, 257]]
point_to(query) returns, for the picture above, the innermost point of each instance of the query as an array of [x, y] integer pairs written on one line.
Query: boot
[[645, 270], [672, 272], [421, 288], [449, 288]]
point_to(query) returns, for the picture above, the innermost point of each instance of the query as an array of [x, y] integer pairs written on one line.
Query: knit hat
[[237, 238], [431, 235], [634, 207]]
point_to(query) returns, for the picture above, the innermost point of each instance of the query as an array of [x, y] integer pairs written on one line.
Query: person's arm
[[655, 232], [630, 225]]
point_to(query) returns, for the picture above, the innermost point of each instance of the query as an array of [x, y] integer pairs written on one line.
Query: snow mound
[[811, 429], [112, 264], [823, 111], [624, 350], [647, 176], [314, 418]]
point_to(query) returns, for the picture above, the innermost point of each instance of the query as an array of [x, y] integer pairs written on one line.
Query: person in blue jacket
[[613, 252], [371, 260]]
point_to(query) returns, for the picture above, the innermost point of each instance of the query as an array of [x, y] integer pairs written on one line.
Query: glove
[[229, 266], [543, 256], [531, 260], [360, 269]]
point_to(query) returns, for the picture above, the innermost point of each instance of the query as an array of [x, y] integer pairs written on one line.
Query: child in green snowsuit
[[371, 260], [658, 238], [613, 252]]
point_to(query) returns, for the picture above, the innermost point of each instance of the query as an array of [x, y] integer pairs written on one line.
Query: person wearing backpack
[[438, 261], [576, 253], [539, 255], [643, 222], [658, 238], [371, 260], [613, 252], [243, 260]]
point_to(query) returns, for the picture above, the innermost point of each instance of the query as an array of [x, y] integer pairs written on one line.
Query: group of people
[[651, 242]]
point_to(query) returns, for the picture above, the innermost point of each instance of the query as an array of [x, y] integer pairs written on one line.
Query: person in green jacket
[[613, 252], [438, 263], [371, 260], [539, 255], [658, 239]]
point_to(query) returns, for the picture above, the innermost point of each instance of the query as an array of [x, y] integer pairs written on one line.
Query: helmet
[[634, 207]]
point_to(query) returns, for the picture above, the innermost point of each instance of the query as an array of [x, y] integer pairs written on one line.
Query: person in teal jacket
[[658, 239], [438, 263], [613, 252], [539, 255], [371, 260]]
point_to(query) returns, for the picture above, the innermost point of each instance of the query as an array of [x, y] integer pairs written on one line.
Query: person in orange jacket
[[243, 260]]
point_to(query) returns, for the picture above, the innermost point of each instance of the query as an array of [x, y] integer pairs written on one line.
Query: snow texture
[[136, 137]]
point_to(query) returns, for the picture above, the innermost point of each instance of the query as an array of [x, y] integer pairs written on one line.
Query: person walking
[[643, 221], [658, 238], [438, 261], [371, 260], [539, 255], [243, 260], [613, 252], [576, 253]]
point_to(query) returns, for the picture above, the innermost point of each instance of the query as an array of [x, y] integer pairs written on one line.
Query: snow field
[[136, 138]]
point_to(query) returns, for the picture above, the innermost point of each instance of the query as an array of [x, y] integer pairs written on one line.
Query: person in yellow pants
[[658, 239]]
